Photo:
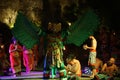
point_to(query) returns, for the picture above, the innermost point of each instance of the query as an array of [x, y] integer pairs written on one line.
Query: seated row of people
[[103, 70]]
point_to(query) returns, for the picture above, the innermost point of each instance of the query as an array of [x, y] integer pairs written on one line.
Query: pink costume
[[28, 58], [15, 51]]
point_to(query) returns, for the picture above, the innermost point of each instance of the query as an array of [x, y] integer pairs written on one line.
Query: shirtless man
[[98, 65], [110, 68], [92, 54], [73, 66]]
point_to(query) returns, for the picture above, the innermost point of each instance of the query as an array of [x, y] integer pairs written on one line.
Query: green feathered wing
[[25, 31], [82, 28]]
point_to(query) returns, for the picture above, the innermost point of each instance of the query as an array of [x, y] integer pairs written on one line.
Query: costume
[[15, 51], [53, 62], [28, 59], [53, 59], [92, 56], [92, 59]]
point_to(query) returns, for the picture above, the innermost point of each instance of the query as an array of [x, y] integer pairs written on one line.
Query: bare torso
[[109, 70]]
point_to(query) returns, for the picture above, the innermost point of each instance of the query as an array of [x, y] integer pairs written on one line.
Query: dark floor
[[34, 75]]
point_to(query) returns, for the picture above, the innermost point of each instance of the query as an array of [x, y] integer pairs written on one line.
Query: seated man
[[73, 66], [98, 65], [108, 70]]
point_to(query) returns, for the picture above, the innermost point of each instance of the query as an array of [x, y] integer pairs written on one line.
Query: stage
[[34, 75]]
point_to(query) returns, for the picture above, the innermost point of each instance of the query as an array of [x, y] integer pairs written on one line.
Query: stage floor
[[34, 75]]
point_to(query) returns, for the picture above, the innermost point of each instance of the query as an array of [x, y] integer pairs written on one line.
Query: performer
[[98, 65], [15, 51], [54, 54], [73, 67], [28, 59], [92, 54], [109, 70]]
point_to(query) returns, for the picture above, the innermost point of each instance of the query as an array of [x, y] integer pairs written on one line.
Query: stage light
[[69, 23], [2, 46]]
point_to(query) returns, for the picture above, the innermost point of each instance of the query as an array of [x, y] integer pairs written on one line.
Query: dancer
[[92, 54], [54, 55], [28, 59], [15, 50]]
